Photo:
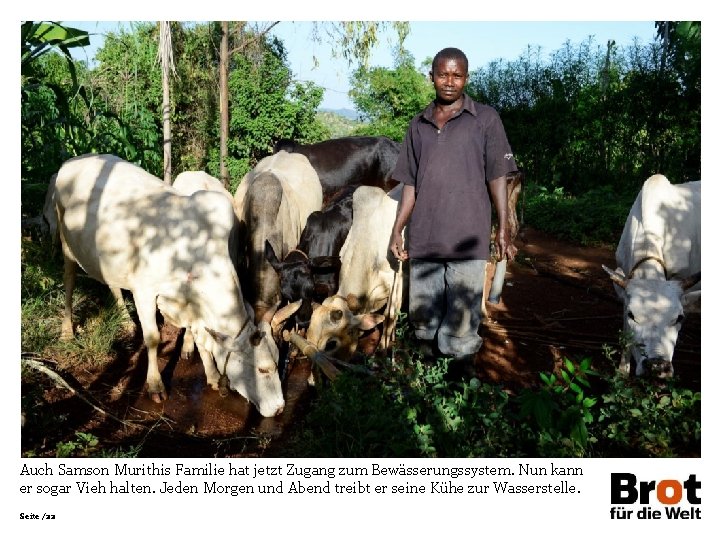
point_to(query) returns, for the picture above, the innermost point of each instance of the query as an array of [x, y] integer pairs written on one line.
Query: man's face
[[449, 78]]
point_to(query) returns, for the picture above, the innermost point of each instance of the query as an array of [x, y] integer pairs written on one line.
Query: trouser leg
[[458, 333], [427, 297]]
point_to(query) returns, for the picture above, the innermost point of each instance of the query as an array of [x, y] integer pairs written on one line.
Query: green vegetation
[[387, 99], [588, 126], [410, 408], [594, 217], [337, 125]]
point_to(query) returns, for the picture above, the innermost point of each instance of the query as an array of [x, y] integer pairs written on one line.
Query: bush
[[595, 217]]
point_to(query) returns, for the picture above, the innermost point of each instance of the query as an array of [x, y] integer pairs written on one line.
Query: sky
[[482, 41]]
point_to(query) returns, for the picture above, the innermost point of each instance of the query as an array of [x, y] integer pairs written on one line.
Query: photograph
[[289, 262]]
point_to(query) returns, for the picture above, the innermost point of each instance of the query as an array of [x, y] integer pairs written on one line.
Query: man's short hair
[[450, 53]]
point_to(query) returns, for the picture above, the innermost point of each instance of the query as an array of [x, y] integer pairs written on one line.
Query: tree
[[389, 98], [165, 55]]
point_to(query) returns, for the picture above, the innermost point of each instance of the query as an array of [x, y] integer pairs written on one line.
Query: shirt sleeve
[[499, 159], [406, 168]]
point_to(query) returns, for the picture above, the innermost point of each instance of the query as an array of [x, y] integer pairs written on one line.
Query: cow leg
[[394, 305], [188, 345], [211, 372], [146, 310], [70, 270], [127, 321]]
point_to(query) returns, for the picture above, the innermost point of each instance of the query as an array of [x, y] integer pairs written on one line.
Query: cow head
[[653, 314], [335, 329], [326, 275], [248, 363], [296, 281]]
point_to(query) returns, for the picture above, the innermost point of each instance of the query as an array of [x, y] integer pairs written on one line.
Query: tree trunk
[[166, 61], [224, 102]]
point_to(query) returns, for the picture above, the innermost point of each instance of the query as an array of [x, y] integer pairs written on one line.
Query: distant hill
[[338, 124], [347, 113]]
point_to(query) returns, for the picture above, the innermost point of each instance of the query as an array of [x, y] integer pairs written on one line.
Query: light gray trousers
[[446, 302]]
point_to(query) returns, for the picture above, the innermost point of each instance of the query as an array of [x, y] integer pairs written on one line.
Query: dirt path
[[557, 303]]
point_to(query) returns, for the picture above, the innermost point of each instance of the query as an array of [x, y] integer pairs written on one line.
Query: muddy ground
[[557, 303]]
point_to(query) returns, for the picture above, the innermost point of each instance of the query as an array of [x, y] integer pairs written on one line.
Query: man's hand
[[397, 246], [503, 245]]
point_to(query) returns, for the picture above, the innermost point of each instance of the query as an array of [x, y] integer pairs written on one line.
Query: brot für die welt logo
[[680, 499]]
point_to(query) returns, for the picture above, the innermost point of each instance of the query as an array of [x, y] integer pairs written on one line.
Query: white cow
[[370, 278], [658, 272], [128, 229], [273, 202], [188, 182]]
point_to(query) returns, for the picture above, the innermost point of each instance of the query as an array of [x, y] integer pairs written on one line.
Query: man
[[453, 154]]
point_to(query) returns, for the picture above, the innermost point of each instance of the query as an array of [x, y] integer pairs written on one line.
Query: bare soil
[[557, 303]]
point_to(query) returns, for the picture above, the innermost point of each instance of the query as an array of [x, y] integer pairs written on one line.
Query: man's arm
[[405, 208], [498, 192]]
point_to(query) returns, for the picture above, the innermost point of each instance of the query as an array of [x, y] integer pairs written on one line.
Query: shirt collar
[[468, 105]]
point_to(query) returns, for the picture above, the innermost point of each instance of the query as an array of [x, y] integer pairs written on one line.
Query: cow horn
[[284, 314], [690, 281], [616, 277], [270, 313]]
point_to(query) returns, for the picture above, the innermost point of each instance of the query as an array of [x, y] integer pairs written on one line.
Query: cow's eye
[[680, 319], [630, 315], [331, 345]]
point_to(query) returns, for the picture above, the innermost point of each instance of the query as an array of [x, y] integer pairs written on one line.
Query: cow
[[658, 272], [126, 228], [188, 182], [515, 182], [345, 161], [273, 202], [311, 271], [370, 278]]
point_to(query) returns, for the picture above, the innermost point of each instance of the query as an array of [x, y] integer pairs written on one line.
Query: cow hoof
[[158, 397], [157, 392]]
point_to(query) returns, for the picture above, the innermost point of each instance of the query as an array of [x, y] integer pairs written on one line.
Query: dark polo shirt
[[450, 168]]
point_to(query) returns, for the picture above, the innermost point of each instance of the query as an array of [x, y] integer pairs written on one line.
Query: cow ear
[[223, 339], [368, 321], [271, 257], [618, 276]]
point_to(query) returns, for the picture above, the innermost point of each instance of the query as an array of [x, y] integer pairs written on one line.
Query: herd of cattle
[[305, 239]]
